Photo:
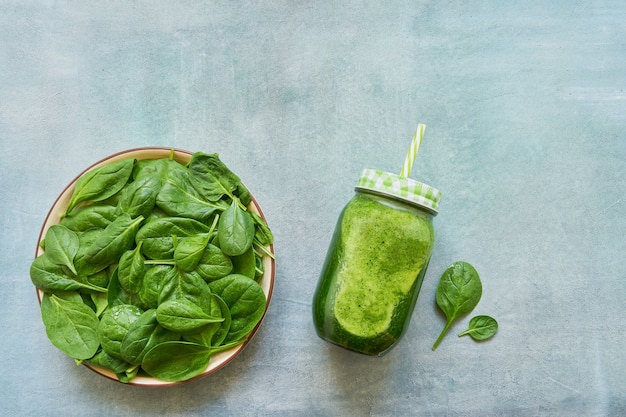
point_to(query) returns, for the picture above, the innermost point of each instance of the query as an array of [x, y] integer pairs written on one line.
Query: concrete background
[[526, 114]]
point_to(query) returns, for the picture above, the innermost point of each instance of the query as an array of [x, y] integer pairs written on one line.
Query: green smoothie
[[373, 273]]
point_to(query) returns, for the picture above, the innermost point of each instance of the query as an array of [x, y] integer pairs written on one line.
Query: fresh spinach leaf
[[130, 269], [95, 216], [262, 232], [61, 246], [212, 334], [139, 197], [245, 264], [214, 264], [235, 230], [114, 240], [101, 183], [157, 235], [124, 370], [458, 292], [144, 334], [50, 277], [81, 260], [189, 251], [179, 284], [117, 295], [152, 284], [211, 177], [71, 326], [178, 198], [481, 328], [176, 361], [183, 316], [114, 326], [245, 300]]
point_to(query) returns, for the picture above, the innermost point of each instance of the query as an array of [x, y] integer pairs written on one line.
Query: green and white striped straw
[[410, 156]]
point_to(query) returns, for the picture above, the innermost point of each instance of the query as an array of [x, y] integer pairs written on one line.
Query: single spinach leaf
[[262, 232], [114, 240], [152, 284], [481, 328], [212, 333], [189, 251], [95, 216], [71, 326], [211, 177], [61, 246], [178, 284], [157, 235], [100, 302], [100, 279], [139, 197], [163, 169], [245, 300], [178, 198], [130, 269], [114, 325], [245, 264], [176, 361], [101, 183], [235, 230], [117, 295], [183, 316], [50, 277], [81, 260], [221, 333], [124, 370], [458, 292], [144, 334], [214, 264]]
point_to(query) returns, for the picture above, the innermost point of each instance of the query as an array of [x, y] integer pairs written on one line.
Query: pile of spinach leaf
[[154, 267]]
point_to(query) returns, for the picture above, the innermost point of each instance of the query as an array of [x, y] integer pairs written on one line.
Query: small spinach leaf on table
[[101, 183], [458, 292], [481, 328], [71, 326]]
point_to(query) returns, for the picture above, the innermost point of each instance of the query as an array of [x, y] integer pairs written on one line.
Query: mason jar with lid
[[376, 263]]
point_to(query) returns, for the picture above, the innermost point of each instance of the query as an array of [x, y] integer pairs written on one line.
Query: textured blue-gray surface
[[526, 114]]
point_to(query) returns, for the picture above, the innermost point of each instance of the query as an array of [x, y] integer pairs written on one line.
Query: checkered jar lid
[[402, 188]]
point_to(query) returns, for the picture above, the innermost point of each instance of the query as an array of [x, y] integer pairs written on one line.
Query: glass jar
[[376, 263]]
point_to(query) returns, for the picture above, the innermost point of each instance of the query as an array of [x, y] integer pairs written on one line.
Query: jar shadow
[[361, 382]]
